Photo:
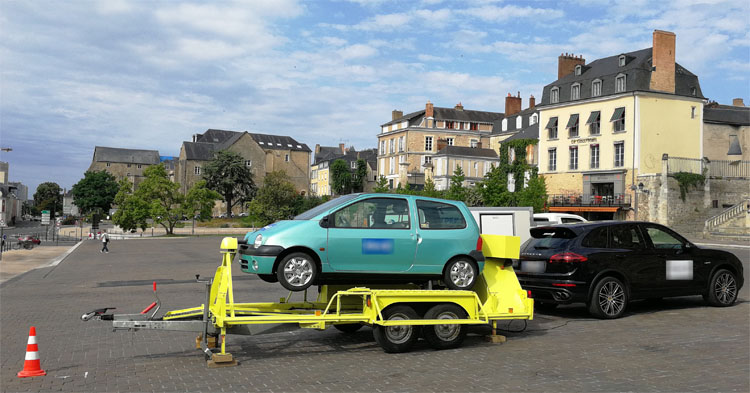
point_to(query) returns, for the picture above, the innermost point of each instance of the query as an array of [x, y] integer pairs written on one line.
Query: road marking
[[59, 259], [723, 245]]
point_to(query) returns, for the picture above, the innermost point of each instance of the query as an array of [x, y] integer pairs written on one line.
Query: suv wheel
[[609, 299], [461, 273], [297, 271], [722, 289]]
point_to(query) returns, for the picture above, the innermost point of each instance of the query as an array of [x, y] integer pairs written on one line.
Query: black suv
[[607, 264]]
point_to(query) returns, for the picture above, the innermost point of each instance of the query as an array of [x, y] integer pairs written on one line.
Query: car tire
[[461, 273], [397, 339], [722, 289], [608, 299], [297, 271], [348, 328], [445, 336], [268, 278]]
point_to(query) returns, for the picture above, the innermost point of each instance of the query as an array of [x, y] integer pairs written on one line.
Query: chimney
[[317, 148], [396, 114], [342, 147], [662, 73], [738, 102], [195, 137], [532, 101], [512, 105], [441, 144], [429, 110], [459, 107], [567, 63]]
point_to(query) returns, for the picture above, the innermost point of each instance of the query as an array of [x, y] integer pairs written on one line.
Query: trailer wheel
[[348, 328], [445, 336], [396, 339], [297, 271], [461, 273]]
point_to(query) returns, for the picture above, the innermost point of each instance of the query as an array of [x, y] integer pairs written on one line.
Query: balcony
[[587, 202]]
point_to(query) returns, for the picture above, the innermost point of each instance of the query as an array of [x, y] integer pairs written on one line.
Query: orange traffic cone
[[32, 365]]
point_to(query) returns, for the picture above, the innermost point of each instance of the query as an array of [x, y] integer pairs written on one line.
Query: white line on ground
[[59, 259]]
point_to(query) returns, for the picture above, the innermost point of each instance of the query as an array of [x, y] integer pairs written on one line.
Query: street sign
[[45, 217]]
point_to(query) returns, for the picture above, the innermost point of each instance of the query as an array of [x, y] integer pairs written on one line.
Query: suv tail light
[[567, 257], [479, 243]]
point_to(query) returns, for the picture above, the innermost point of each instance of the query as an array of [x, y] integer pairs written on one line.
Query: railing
[[716, 168], [622, 200], [728, 214]]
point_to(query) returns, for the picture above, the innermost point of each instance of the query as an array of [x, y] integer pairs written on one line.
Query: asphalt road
[[674, 345]]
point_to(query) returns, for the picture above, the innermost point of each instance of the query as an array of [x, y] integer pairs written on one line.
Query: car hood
[[279, 227]]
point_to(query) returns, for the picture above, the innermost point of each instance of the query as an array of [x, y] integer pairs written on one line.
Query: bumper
[[555, 291], [258, 260]]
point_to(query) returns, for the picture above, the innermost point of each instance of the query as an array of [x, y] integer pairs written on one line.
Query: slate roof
[[278, 142], [326, 153], [369, 155], [466, 151], [727, 114], [497, 126], [638, 77], [215, 140], [530, 132], [129, 156], [450, 114], [199, 150]]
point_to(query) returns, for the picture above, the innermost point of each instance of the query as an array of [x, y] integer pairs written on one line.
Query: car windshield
[[326, 206]]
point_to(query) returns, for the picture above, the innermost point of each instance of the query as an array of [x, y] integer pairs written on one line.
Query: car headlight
[[258, 240]]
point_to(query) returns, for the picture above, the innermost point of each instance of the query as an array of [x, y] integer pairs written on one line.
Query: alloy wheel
[[725, 288], [462, 274], [298, 271], [611, 298]]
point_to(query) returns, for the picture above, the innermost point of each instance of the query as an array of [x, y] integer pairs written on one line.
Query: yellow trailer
[[395, 313]]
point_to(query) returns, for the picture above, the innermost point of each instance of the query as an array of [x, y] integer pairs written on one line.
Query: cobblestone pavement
[[675, 345]]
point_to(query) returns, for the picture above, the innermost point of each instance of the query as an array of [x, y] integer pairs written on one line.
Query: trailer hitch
[[99, 313]]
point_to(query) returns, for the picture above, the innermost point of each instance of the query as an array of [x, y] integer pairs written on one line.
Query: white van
[[556, 218]]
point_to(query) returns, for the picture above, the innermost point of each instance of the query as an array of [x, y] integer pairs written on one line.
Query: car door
[[679, 264], [628, 246], [442, 232], [372, 235]]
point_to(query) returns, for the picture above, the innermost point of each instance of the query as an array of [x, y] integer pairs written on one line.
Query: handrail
[[728, 214]]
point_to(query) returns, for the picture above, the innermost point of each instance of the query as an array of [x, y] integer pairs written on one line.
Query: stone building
[[407, 143], [123, 163], [474, 162], [726, 131], [320, 176]]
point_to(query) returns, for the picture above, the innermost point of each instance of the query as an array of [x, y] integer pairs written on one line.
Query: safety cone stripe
[[32, 356], [32, 340]]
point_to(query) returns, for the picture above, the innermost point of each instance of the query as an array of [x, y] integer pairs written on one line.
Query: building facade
[[320, 174], [726, 131], [474, 162], [123, 163], [604, 124]]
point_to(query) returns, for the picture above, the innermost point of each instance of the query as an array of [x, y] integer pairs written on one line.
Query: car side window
[[597, 238], [663, 240], [375, 213], [436, 215], [625, 236]]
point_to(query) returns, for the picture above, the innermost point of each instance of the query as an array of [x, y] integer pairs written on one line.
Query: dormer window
[[694, 92], [519, 122], [534, 119], [620, 83], [578, 69], [505, 124], [596, 88], [575, 91], [554, 95], [622, 60]]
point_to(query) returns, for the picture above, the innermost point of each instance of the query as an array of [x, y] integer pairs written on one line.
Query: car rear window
[[543, 238], [436, 215]]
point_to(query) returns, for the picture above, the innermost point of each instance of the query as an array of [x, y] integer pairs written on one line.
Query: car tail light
[[567, 257], [563, 285], [479, 243], [528, 294]]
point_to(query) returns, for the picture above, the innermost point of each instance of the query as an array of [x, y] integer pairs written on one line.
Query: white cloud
[[510, 12], [357, 51]]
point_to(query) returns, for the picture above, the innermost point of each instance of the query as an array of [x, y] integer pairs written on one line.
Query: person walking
[[105, 240]]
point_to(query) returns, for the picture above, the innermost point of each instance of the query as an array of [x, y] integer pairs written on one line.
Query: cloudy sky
[[149, 74]]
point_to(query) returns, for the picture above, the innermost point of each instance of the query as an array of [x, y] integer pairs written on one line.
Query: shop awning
[[619, 112], [593, 117], [552, 123], [573, 121], [563, 209]]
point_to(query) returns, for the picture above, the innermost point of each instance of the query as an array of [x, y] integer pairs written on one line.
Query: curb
[[62, 257]]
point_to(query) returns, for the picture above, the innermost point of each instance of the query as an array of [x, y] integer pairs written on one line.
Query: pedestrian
[[105, 240]]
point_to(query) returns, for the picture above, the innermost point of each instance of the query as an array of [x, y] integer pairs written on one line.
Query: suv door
[[372, 235], [628, 246], [679, 265]]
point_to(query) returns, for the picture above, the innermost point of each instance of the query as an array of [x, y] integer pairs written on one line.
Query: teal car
[[369, 238]]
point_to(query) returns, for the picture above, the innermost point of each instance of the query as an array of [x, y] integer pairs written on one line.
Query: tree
[[200, 200], [429, 189], [457, 192], [95, 192], [132, 211], [359, 178], [341, 177], [228, 175], [494, 188], [48, 196], [382, 185], [275, 200]]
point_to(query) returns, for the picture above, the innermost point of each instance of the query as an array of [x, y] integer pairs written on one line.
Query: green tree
[[48, 196], [429, 189], [494, 188], [95, 192], [200, 200], [132, 212], [457, 192], [275, 200], [163, 197], [473, 197], [228, 175], [534, 194], [341, 177], [382, 185], [359, 178]]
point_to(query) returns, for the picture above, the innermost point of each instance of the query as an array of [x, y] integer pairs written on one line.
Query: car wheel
[[297, 271], [609, 298], [445, 336], [396, 339], [348, 328], [722, 289], [461, 273], [268, 277]]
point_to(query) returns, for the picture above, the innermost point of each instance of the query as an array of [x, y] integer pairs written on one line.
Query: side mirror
[[324, 222]]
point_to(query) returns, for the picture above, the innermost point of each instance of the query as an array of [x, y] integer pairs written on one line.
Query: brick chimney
[[459, 107], [396, 114], [317, 148], [662, 74], [342, 147], [532, 101], [429, 111], [567, 63], [738, 102], [512, 105]]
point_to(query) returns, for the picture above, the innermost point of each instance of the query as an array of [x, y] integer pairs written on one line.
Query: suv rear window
[[543, 238]]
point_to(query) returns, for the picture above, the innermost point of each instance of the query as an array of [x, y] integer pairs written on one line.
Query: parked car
[[365, 238], [607, 264], [556, 218], [28, 242]]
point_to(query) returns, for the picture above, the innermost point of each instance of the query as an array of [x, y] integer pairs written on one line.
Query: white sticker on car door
[[679, 269]]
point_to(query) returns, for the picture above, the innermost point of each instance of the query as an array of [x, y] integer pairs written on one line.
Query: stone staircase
[[732, 223]]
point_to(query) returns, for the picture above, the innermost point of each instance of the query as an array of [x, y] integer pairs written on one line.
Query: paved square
[[676, 345]]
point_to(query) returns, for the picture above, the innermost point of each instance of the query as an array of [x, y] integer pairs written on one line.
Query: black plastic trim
[[262, 251], [477, 255]]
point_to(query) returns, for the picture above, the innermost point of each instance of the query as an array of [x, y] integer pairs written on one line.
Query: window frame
[[419, 218], [621, 87], [573, 159], [554, 95], [643, 242], [594, 159], [552, 159], [332, 215], [428, 141], [575, 91], [596, 88], [622, 159]]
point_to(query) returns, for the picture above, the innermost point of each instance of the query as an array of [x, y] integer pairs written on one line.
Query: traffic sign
[[45, 217]]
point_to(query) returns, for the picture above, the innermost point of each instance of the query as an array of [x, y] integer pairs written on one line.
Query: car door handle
[[419, 238]]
